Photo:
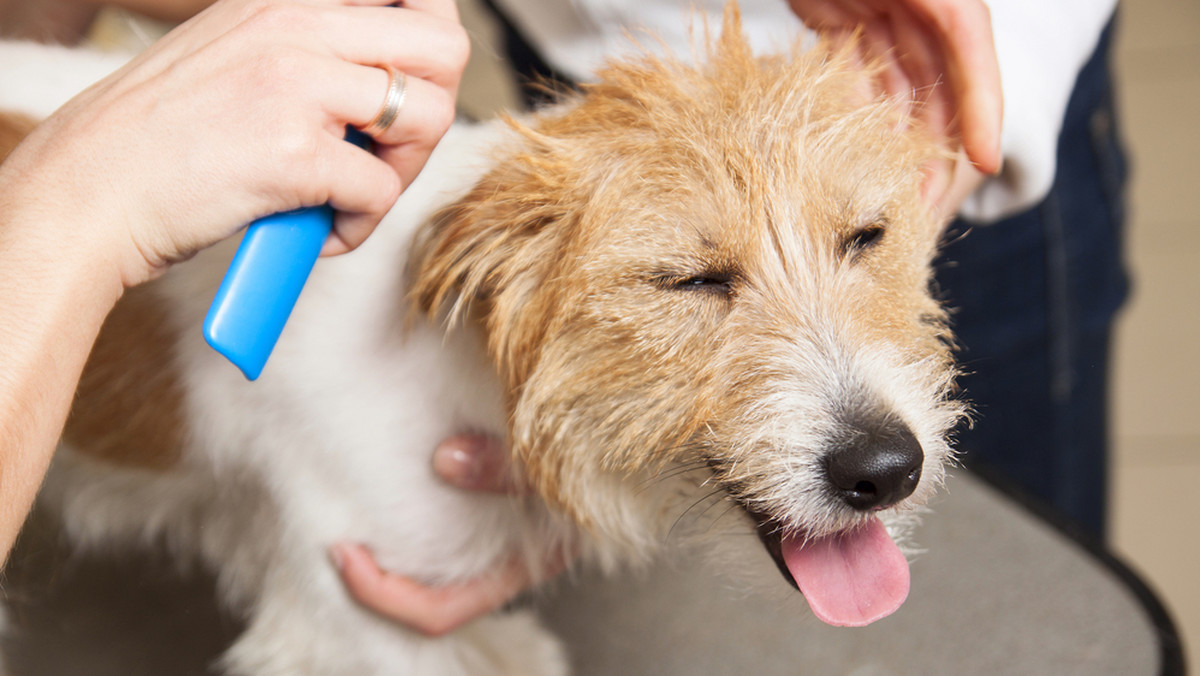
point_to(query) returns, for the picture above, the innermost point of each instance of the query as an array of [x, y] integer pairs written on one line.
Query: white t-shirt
[[1041, 44]]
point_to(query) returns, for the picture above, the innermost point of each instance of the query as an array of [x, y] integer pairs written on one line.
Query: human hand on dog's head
[[950, 182], [941, 53], [238, 113], [468, 462]]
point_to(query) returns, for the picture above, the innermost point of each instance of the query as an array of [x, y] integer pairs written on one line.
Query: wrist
[[52, 258], [57, 252], [56, 297], [76, 230]]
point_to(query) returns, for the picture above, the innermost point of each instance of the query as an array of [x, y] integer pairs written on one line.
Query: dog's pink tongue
[[849, 579]]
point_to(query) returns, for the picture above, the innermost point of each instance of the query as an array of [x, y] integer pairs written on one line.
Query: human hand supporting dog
[[238, 113], [941, 53], [470, 463]]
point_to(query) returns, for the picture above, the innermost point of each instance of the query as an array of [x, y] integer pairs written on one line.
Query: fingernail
[[337, 555], [457, 460]]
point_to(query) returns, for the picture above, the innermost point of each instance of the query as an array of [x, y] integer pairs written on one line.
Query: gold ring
[[396, 92]]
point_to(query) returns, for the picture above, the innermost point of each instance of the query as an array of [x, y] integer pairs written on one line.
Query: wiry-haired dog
[[686, 283]]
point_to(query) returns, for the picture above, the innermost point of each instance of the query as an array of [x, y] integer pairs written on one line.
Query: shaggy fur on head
[[684, 288], [725, 265]]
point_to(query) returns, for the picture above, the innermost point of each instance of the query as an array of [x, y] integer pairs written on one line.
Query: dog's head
[[723, 269]]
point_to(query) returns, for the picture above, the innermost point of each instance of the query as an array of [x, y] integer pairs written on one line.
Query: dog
[[691, 297]]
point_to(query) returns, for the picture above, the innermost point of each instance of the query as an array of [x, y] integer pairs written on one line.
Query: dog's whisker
[[674, 471], [703, 499], [730, 505], [670, 472]]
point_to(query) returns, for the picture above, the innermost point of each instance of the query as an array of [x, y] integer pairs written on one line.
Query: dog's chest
[[343, 422]]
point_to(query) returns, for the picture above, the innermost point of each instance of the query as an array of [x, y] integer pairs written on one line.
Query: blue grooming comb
[[265, 279]]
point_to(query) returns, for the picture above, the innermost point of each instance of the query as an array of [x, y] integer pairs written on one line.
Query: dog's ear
[[489, 254]]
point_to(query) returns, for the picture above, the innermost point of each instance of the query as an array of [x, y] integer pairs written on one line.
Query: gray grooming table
[[999, 591]]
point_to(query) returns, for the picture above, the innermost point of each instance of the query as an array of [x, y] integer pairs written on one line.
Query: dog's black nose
[[876, 467]]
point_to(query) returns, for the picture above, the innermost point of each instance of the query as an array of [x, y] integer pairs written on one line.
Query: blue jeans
[[1034, 298]]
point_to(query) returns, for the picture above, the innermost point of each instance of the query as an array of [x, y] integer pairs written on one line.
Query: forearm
[[55, 298]]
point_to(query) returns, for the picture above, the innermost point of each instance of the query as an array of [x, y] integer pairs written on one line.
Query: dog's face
[[724, 269]]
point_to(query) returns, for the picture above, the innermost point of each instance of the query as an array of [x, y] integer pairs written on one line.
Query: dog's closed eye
[[714, 282], [863, 239]]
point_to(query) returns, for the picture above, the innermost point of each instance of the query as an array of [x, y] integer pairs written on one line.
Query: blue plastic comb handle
[[265, 279]]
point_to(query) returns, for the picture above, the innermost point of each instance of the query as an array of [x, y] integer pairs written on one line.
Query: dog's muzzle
[[857, 576], [876, 466]]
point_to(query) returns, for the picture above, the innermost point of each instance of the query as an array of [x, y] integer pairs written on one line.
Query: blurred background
[[1156, 516]]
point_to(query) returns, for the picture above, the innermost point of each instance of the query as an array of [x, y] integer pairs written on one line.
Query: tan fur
[[698, 285], [762, 171], [128, 407]]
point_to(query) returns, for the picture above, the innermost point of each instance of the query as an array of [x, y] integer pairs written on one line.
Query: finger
[[408, 159], [916, 49], [938, 175], [365, 3], [428, 45], [476, 462], [879, 52], [822, 15], [446, 9], [350, 230], [424, 116], [922, 61], [964, 28], [421, 44], [424, 113], [361, 189], [964, 179], [358, 181], [862, 10], [433, 611]]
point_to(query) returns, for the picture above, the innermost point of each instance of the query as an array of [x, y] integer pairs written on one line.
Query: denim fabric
[[1034, 297]]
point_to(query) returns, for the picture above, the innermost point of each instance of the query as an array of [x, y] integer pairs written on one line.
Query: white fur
[[333, 443], [324, 447], [36, 79]]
